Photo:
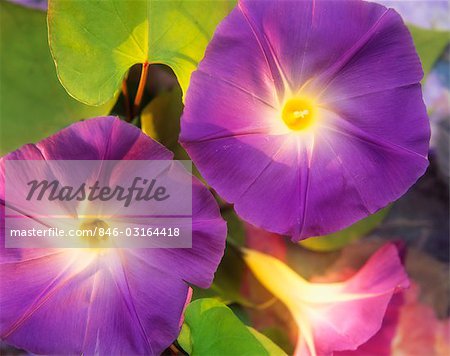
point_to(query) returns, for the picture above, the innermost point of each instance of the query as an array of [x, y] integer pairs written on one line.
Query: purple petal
[[112, 306], [384, 58], [102, 138], [307, 37], [118, 301], [194, 265], [357, 63]]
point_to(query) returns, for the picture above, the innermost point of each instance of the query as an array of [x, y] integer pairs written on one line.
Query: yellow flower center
[[298, 113], [93, 231]]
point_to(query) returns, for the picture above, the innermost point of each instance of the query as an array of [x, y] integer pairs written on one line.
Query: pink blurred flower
[[334, 316], [419, 332]]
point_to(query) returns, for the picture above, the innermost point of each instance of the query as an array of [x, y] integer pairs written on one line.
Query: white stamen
[[300, 114]]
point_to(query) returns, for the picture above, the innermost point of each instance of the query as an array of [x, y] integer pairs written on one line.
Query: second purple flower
[[308, 115]]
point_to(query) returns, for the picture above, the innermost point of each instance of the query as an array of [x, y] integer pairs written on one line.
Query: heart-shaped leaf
[[94, 43], [211, 328]]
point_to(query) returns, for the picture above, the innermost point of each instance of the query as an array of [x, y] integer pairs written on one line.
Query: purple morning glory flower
[[308, 115], [104, 301]]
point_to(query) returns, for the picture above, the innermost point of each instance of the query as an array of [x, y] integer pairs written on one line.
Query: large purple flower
[[308, 115], [104, 301]]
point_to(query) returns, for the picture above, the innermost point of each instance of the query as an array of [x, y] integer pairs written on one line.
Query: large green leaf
[[340, 239], [33, 104], [94, 43], [211, 328], [429, 44]]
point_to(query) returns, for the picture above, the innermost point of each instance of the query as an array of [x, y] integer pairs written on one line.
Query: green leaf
[[268, 344], [429, 44], [341, 238], [160, 120], [279, 337], [33, 104], [211, 328], [94, 43], [236, 231]]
